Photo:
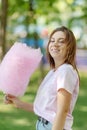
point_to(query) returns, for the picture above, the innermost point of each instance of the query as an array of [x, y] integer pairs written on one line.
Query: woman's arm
[[9, 99], [63, 104]]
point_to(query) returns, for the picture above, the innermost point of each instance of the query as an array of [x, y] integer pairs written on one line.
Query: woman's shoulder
[[67, 71], [66, 67]]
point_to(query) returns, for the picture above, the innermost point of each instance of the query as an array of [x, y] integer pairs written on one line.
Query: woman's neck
[[58, 63]]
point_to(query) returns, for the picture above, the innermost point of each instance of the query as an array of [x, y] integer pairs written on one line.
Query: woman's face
[[57, 46]]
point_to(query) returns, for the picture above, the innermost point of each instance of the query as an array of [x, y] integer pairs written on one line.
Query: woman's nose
[[55, 43]]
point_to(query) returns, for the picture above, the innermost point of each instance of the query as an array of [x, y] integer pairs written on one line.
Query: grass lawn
[[15, 119], [80, 112]]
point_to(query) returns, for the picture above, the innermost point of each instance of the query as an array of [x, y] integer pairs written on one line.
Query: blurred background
[[30, 22]]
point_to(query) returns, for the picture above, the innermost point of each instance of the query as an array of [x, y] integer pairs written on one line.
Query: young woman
[[57, 94]]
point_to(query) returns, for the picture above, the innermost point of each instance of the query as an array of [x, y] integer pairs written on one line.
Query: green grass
[[80, 112], [15, 119]]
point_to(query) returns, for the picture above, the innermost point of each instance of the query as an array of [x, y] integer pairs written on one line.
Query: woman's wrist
[[20, 105], [25, 106]]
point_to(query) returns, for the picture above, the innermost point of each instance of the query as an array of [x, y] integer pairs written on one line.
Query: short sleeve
[[66, 79]]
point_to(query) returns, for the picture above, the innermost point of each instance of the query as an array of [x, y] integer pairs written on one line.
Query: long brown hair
[[71, 47]]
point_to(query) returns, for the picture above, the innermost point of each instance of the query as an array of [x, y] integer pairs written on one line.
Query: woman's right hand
[[10, 99]]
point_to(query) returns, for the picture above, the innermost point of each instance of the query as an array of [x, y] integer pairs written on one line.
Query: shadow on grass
[[16, 119]]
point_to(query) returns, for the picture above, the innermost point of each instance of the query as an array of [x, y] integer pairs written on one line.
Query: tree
[[4, 8]]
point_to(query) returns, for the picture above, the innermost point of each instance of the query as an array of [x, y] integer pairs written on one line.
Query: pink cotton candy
[[16, 68]]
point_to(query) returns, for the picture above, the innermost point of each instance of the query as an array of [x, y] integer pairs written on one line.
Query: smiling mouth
[[55, 50]]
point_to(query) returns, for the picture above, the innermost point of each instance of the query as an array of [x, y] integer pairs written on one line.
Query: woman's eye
[[51, 41], [61, 41]]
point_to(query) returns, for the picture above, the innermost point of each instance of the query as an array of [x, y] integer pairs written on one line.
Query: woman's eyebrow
[[61, 38], [52, 38]]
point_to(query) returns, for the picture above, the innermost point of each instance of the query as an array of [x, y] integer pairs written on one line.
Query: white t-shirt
[[45, 104]]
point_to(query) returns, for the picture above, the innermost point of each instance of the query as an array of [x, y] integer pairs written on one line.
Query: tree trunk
[[4, 7]]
